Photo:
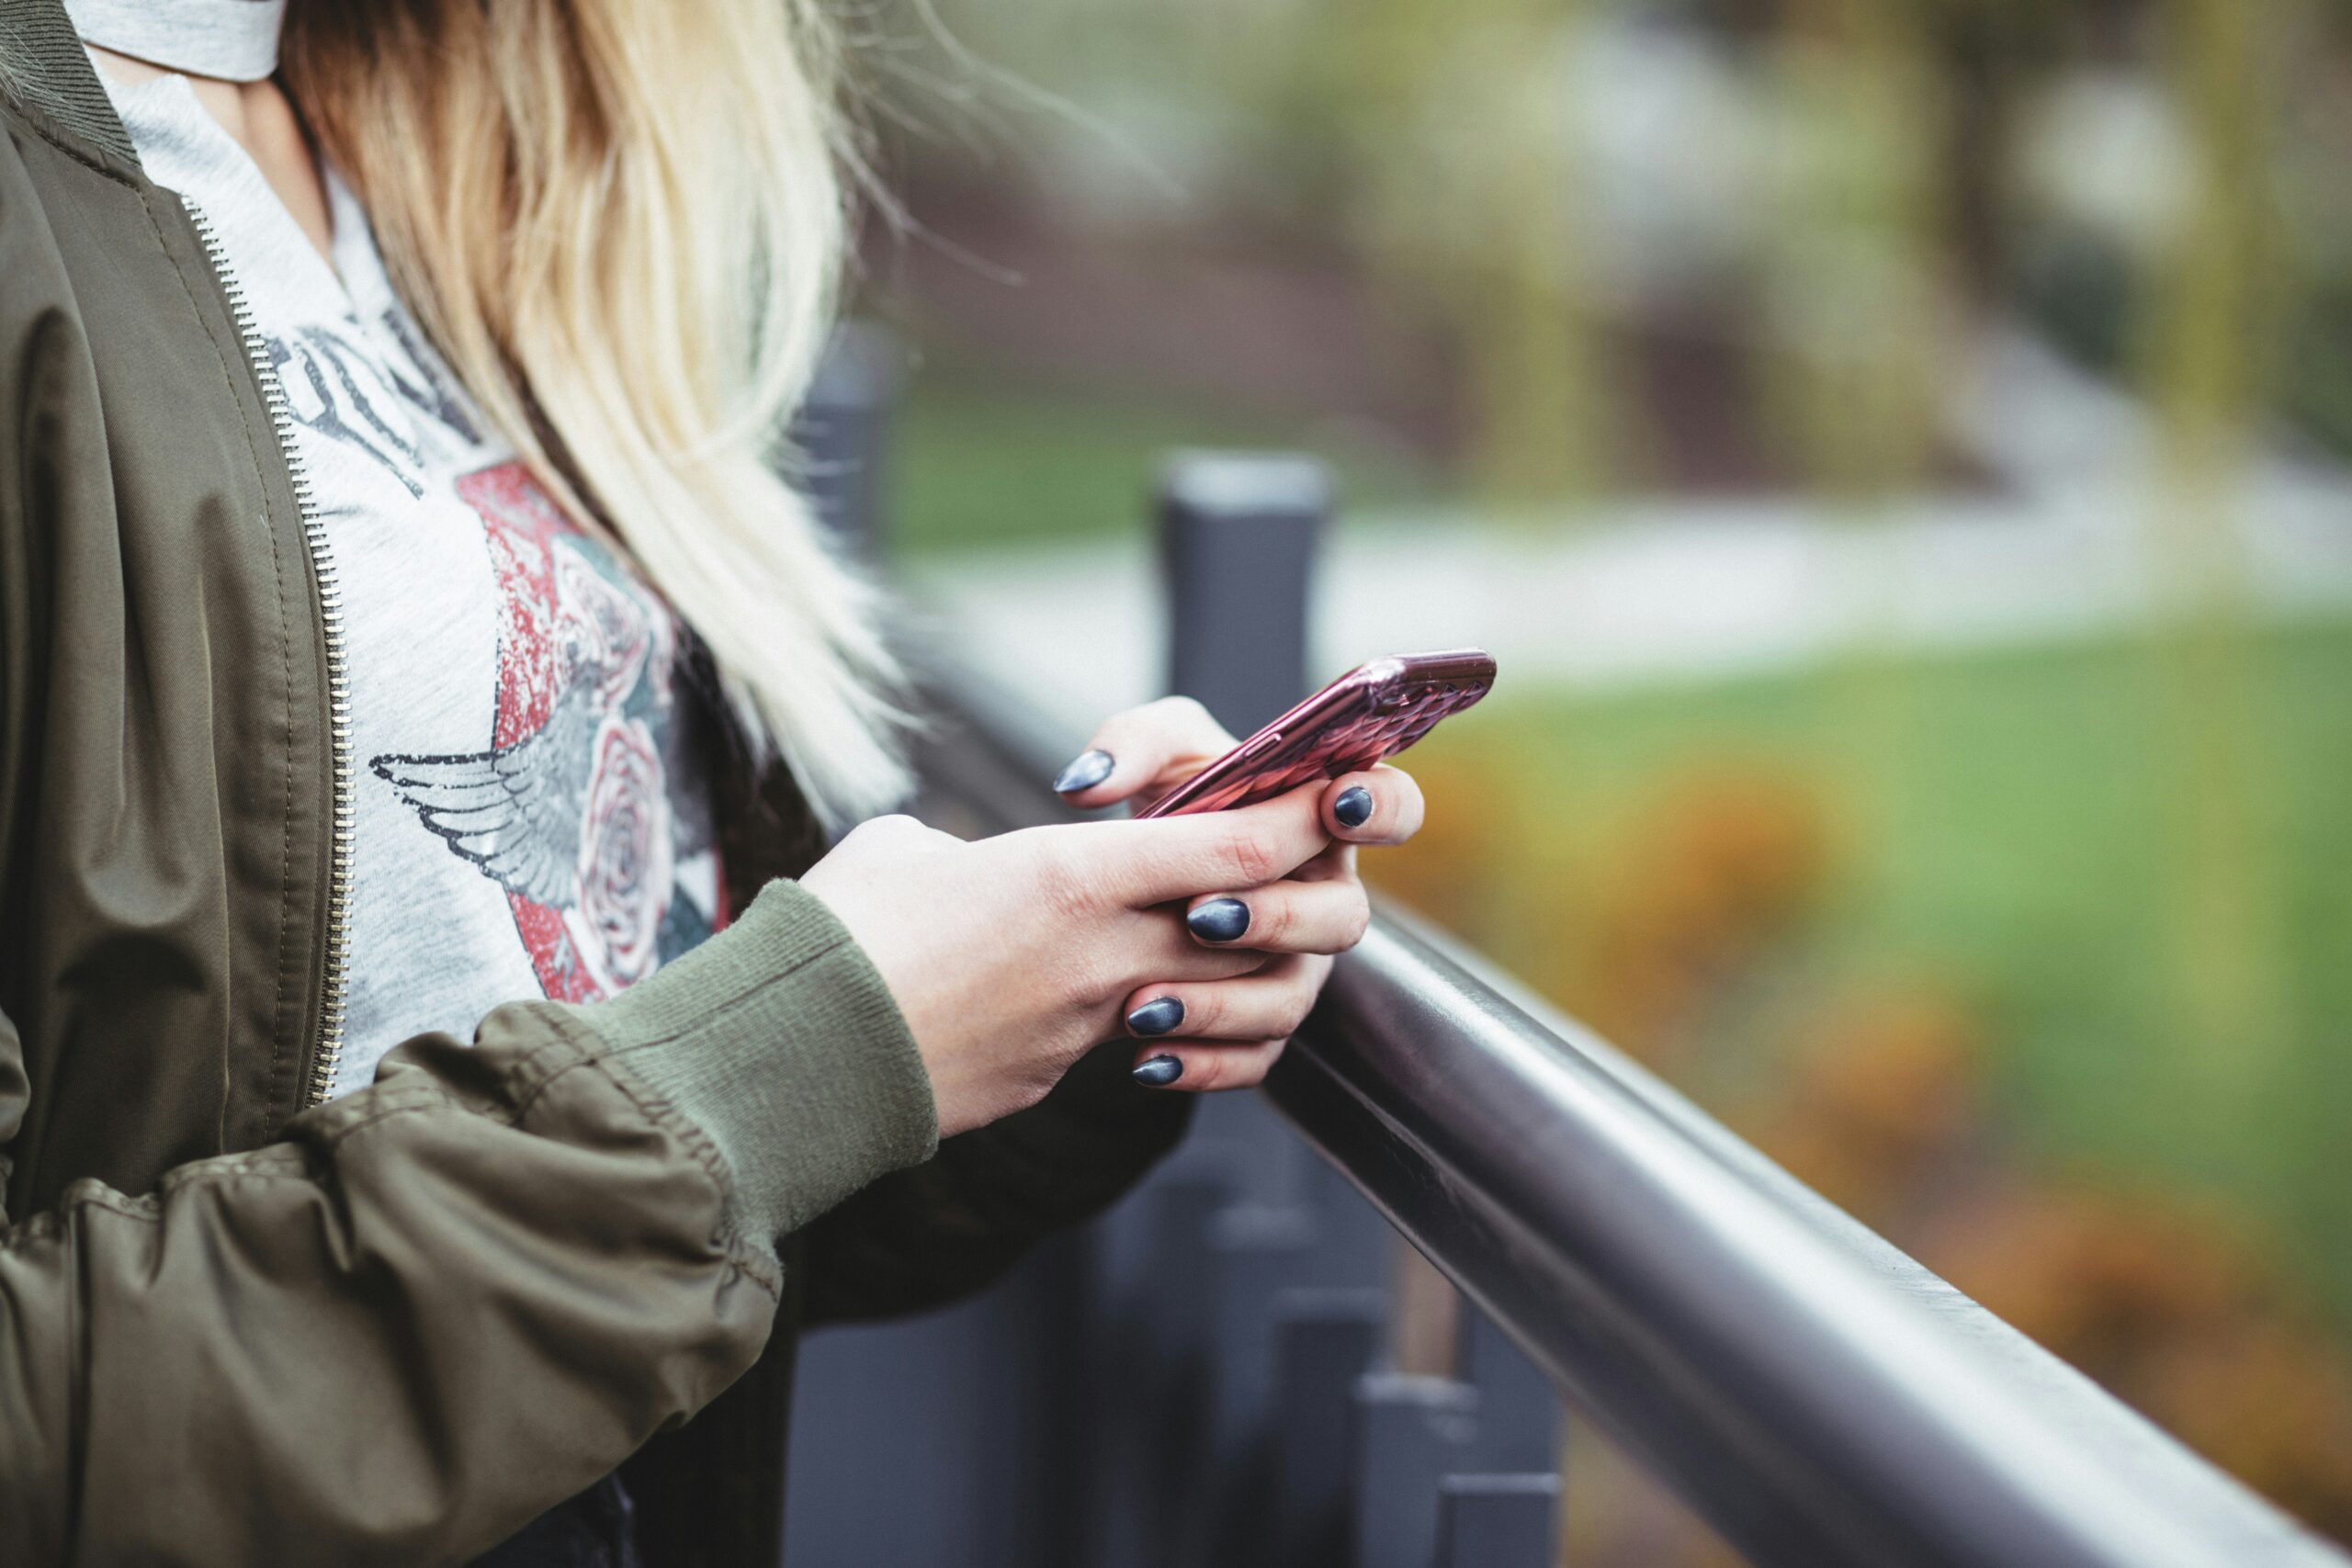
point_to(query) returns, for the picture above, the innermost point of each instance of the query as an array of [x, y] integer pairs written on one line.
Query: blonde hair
[[621, 223]]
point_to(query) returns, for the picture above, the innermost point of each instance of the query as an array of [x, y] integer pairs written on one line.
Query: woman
[[420, 1083]]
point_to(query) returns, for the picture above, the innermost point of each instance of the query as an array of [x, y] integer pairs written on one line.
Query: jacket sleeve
[[924, 1236], [444, 1303]]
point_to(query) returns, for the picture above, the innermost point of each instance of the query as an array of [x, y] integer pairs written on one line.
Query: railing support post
[[1410, 1433], [1239, 533], [1497, 1521], [1324, 1339], [835, 455], [1519, 1411]]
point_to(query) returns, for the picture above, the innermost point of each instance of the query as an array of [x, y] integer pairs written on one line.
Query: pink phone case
[[1365, 716]]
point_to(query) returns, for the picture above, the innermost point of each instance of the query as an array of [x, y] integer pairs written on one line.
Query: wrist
[[779, 1039], [968, 1091]]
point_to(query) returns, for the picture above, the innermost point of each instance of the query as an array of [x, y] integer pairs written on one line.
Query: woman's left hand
[[1228, 1033]]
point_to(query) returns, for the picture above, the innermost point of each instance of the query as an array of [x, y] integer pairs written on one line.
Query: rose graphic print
[[569, 809], [625, 884]]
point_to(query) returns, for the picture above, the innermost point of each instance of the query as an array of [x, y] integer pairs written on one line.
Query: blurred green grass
[[990, 460], [1999, 823], [2000, 820]]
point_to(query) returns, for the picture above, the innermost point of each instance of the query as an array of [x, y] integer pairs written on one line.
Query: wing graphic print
[[515, 811]]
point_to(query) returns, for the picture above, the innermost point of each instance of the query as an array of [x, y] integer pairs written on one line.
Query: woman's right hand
[[1011, 956]]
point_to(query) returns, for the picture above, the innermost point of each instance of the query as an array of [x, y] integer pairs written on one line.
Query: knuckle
[[1248, 1066], [1273, 924], [1250, 856], [1032, 1087], [875, 830], [1065, 885], [885, 838], [1163, 723], [1184, 710], [1208, 1071], [1091, 981], [1205, 1012]]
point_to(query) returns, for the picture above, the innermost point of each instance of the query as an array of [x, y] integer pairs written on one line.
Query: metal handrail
[[1814, 1392]]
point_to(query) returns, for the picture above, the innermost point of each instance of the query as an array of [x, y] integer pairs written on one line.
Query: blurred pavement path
[[1624, 594]]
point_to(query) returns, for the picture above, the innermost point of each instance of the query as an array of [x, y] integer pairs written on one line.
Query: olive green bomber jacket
[[238, 1326]]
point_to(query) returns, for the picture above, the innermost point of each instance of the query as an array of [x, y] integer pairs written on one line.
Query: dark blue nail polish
[[1219, 919], [1353, 808], [1159, 1016], [1158, 1071], [1085, 771]]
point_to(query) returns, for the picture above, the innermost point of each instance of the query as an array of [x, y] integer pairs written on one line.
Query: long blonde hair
[[621, 223]]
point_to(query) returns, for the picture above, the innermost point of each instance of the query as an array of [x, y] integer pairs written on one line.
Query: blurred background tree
[[1901, 451]]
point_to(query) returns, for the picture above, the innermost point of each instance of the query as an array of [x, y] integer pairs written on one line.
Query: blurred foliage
[[1953, 1021], [2211, 345], [1676, 863], [1840, 176], [2037, 960]]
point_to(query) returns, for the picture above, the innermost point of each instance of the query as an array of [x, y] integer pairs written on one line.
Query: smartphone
[[1366, 716]]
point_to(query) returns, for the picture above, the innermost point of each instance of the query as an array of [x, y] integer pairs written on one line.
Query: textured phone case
[[1363, 718]]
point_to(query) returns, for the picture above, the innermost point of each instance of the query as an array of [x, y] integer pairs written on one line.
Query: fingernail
[[1157, 1016], [1219, 919], [1158, 1071], [1085, 771], [1353, 808]]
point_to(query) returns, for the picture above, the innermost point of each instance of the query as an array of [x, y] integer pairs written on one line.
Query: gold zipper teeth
[[330, 595]]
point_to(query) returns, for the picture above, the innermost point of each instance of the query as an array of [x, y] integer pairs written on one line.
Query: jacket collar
[[43, 64]]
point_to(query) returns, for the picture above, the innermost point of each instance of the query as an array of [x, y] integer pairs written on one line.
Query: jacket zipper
[[328, 1051]]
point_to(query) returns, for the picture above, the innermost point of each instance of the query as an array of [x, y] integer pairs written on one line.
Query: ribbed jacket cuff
[[780, 1041]]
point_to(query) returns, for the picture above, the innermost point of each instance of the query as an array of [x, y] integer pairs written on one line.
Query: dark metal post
[[1239, 533], [1519, 1411], [835, 452], [1410, 1433], [1497, 1521], [1152, 1338], [1259, 1249], [1237, 537], [1324, 1340]]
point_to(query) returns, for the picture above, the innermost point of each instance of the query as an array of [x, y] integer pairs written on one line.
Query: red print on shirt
[[569, 809]]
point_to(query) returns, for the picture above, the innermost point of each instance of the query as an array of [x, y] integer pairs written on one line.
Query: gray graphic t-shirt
[[529, 819]]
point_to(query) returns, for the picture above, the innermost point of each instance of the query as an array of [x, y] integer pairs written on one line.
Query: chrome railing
[[1221, 1374], [1814, 1394]]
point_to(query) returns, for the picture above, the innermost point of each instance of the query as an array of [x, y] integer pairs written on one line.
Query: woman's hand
[[1226, 1032], [1208, 935], [1011, 956]]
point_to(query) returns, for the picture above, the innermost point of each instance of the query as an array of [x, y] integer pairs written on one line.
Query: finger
[[1283, 916], [1269, 1004], [1203, 1069], [1168, 858], [1336, 863], [1157, 948], [1380, 807], [1158, 744]]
